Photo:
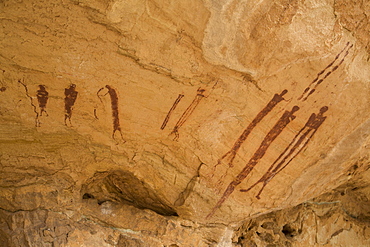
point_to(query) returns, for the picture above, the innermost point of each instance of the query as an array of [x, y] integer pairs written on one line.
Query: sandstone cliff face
[[184, 123]]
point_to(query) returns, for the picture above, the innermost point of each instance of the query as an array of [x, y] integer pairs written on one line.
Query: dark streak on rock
[[337, 233], [188, 189], [95, 114], [37, 122]]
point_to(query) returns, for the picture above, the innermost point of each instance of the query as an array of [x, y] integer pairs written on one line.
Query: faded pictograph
[[322, 75], [69, 101], [114, 106]]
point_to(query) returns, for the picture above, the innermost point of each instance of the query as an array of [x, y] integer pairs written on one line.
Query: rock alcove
[[184, 123]]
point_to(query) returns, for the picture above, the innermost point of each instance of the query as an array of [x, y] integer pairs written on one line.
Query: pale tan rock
[[122, 143]]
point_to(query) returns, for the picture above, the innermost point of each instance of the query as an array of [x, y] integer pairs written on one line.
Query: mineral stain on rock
[[37, 121]]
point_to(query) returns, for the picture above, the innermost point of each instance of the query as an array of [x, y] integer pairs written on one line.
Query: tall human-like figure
[[268, 108], [275, 131], [200, 95], [114, 106], [298, 143], [69, 101], [42, 97]]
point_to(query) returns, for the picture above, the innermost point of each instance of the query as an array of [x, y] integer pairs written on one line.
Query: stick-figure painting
[[177, 101], [329, 69], [268, 108], [114, 105], [294, 148], [298, 143], [42, 98], [275, 131], [187, 113], [69, 101]]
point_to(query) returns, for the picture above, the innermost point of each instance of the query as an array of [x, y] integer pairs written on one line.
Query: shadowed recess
[[123, 187]]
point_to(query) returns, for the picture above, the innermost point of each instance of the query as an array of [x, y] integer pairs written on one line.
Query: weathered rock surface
[[339, 218], [184, 123]]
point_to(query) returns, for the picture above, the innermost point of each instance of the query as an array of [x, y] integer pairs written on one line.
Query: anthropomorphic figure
[[114, 106], [200, 95], [298, 143], [274, 132], [42, 98], [268, 108], [69, 101]]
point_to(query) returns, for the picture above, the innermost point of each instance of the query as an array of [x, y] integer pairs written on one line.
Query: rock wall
[[338, 218], [141, 123]]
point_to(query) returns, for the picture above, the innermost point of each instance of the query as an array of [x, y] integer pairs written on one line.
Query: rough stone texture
[[142, 154], [339, 218]]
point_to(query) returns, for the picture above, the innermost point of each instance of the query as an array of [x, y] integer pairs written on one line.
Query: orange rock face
[[183, 123]]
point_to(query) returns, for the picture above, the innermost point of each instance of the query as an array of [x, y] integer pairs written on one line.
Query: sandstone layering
[[184, 123]]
